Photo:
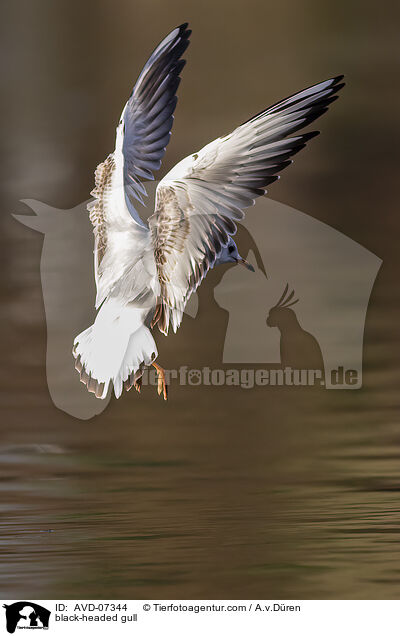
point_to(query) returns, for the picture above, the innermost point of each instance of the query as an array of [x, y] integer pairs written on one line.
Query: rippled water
[[222, 492]]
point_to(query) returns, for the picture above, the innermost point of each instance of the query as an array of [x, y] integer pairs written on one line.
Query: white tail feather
[[116, 346]]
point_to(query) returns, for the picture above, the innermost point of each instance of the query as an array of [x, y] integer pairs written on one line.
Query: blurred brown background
[[222, 492]]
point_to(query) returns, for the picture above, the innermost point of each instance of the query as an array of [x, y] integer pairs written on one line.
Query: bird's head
[[230, 254]]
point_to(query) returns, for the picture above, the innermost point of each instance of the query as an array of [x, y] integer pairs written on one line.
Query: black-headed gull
[[145, 274]]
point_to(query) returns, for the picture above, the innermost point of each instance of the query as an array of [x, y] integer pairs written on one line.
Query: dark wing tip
[[309, 135], [183, 29], [183, 32], [320, 100]]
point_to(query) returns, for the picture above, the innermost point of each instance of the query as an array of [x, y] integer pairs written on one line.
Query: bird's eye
[[231, 249]]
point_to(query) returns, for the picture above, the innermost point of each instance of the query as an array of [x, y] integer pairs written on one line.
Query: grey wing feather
[[148, 114]]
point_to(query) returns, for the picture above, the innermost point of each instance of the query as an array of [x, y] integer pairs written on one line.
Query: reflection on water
[[222, 492]]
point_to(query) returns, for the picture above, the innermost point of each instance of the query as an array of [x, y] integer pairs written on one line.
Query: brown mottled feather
[[169, 228], [102, 178]]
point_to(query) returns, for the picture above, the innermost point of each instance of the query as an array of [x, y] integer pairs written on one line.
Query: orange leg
[[162, 386]]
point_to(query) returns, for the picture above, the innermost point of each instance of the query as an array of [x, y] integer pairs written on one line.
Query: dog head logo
[[26, 615], [332, 275]]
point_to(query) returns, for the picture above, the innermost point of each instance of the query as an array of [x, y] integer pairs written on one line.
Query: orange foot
[[161, 386]]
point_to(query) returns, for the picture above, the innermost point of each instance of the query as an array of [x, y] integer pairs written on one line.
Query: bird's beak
[[242, 261]]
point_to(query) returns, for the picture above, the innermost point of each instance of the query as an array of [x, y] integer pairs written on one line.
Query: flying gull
[[146, 273]]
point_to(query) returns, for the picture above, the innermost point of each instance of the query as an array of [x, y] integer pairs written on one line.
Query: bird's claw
[[161, 382]]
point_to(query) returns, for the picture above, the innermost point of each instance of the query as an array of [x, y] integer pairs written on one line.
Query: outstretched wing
[[143, 133], [199, 201], [148, 115]]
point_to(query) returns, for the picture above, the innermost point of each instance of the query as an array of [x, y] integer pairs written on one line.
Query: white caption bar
[[200, 617]]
